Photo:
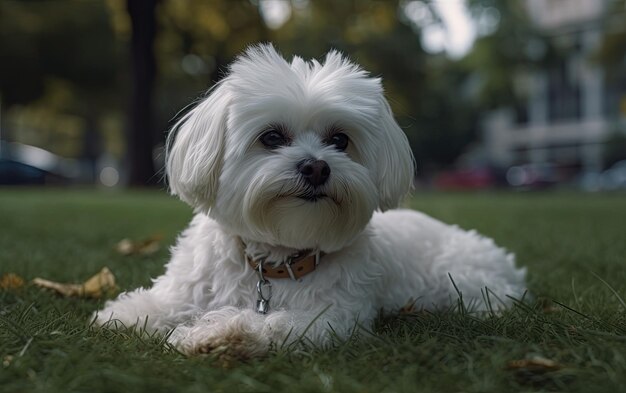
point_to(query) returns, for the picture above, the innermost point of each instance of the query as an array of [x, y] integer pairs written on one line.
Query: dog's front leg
[[151, 309], [228, 331], [175, 297], [243, 333]]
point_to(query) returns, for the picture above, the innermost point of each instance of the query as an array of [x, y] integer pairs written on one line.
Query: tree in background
[[612, 56], [81, 47], [141, 139], [508, 44], [61, 72]]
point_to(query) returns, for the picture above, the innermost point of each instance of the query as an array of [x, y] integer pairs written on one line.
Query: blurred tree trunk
[[140, 141]]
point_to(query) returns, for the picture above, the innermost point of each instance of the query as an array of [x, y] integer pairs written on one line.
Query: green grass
[[573, 245]]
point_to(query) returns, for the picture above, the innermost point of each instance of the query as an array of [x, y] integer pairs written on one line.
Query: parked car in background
[[611, 179], [465, 179], [614, 178], [532, 176], [29, 165]]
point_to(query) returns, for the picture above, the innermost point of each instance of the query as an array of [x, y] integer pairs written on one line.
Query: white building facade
[[571, 109]]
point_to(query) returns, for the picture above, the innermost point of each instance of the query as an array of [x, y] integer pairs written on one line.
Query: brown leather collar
[[295, 268]]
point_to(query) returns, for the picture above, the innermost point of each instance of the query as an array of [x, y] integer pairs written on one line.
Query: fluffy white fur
[[248, 200]]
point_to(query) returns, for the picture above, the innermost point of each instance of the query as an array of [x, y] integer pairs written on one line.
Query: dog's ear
[[396, 165], [195, 150]]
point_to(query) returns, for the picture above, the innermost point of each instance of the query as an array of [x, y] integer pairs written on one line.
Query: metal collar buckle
[[295, 258], [263, 299], [264, 286]]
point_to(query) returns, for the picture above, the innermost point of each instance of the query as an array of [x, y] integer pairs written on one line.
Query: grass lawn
[[573, 245]]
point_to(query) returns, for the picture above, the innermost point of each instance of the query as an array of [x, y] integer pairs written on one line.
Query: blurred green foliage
[[47, 40], [63, 64]]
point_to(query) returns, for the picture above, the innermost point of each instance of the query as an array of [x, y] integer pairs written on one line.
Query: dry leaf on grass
[[536, 362], [102, 284], [11, 281], [539, 372], [6, 361], [146, 246], [409, 307], [548, 306]]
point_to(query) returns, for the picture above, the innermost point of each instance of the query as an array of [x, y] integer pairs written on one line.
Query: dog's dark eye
[[340, 140], [273, 138]]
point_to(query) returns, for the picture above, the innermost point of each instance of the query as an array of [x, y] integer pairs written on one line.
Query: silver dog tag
[[264, 294], [262, 306]]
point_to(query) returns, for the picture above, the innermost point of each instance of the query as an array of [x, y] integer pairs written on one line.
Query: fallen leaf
[[11, 281], [548, 306], [102, 284], [540, 372], [536, 363], [6, 362], [125, 247], [409, 307], [146, 246]]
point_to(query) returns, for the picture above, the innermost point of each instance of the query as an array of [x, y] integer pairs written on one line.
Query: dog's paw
[[227, 344], [237, 346]]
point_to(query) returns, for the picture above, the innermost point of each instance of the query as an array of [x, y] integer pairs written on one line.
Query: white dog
[[289, 166]]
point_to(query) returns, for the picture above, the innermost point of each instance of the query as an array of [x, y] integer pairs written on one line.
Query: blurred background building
[[574, 108], [523, 93]]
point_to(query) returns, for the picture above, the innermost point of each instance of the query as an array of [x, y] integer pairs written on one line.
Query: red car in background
[[465, 179]]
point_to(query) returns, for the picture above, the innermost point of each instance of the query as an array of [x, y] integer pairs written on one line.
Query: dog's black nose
[[315, 172]]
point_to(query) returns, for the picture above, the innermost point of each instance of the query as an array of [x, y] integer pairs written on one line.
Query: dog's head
[[294, 154]]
